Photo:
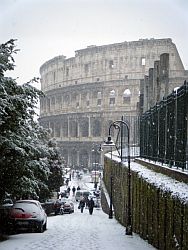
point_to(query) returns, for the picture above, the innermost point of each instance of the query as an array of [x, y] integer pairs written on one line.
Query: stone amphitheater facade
[[85, 93]]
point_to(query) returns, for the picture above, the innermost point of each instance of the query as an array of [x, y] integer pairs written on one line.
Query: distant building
[[85, 93]]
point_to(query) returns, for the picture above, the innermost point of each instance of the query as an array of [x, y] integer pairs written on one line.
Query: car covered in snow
[[52, 206], [67, 207], [64, 194], [28, 215]]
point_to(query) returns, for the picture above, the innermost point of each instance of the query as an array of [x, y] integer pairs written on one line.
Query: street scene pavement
[[78, 230]]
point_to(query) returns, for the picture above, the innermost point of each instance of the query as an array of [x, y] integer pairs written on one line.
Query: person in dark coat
[[68, 190], [82, 204], [67, 182], [91, 205], [73, 190], [78, 188], [86, 201]]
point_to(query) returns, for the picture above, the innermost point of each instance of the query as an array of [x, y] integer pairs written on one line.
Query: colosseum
[[101, 84]]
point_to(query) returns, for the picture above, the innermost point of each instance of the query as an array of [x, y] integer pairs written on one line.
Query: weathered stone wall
[[157, 216], [108, 62], [85, 93], [161, 81]]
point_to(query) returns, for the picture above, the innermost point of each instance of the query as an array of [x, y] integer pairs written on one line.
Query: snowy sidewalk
[[78, 231]]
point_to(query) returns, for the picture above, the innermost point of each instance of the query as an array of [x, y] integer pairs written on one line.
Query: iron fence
[[164, 130]]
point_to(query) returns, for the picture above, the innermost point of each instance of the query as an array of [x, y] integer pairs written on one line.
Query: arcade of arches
[[76, 135]]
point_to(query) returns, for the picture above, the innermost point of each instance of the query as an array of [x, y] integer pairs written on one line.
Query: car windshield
[[86, 193]]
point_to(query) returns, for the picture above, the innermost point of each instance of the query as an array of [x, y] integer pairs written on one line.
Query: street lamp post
[[96, 149], [110, 143], [111, 196], [119, 125], [95, 181]]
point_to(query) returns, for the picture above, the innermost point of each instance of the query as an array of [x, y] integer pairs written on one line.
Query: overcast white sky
[[48, 28]]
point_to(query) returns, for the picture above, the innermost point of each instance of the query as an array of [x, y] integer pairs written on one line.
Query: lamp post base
[[110, 215], [129, 230]]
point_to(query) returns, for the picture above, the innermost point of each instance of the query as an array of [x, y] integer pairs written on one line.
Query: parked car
[[7, 202], [57, 206], [52, 206], [67, 207], [48, 206], [5, 207], [64, 194], [97, 193], [28, 215]]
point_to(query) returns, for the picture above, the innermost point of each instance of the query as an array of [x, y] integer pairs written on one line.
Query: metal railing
[[164, 130]]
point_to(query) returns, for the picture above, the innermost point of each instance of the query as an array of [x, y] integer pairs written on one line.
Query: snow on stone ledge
[[165, 183]]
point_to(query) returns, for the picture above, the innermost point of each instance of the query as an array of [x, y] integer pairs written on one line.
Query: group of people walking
[[85, 202], [73, 190]]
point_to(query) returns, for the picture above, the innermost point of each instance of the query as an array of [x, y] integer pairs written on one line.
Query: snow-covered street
[[78, 231]]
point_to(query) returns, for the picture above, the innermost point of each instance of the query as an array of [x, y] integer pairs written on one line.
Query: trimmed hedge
[[156, 215]]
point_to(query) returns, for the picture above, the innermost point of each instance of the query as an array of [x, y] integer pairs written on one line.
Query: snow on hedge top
[[165, 183]]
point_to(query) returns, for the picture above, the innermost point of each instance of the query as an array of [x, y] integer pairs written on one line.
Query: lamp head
[[109, 142], [100, 149]]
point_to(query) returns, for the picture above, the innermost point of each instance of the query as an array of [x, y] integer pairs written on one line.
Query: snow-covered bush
[[26, 162]]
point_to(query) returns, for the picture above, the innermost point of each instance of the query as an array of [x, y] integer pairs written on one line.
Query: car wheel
[[45, 226], [15, 230], [40, 228]]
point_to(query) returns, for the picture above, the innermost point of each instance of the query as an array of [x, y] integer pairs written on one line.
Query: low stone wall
[[175, 173], [104, 203], [157, 216]]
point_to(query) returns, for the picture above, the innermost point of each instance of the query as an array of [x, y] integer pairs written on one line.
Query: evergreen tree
[[25, 154], [55, 166]]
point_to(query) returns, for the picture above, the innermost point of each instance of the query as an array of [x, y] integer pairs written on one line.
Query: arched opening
[[127, 96], [65, 155], [112, 97], [73, 128], [96, 128], [73, 158], [84, 159], [84, 128]]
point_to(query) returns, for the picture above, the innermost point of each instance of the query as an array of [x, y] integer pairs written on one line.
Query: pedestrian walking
[[78, 188], [87, 201], [95, 185], [82, 205], [91, 206], [68, 190], [67, 182], [73, 174], [73, 190]]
